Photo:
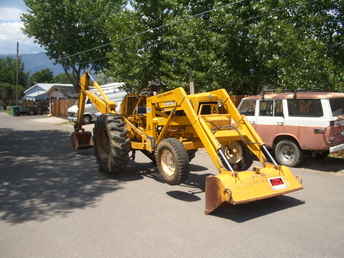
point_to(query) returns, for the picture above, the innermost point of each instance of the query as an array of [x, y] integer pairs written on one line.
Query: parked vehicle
[[89, 115], [115, 93], [294, 123]]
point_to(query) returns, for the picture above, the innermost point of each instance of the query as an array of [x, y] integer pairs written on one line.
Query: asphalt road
[[54, 203]]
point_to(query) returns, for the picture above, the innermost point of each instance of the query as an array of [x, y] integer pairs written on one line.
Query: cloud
[[10, 33], [10, 14]]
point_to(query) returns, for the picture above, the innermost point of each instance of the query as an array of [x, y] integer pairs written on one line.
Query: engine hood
[[73, 109]]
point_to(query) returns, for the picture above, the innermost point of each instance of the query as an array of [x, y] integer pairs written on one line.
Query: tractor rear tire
[[111, 143], [172, 161]]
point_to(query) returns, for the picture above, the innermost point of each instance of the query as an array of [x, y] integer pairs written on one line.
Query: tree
[[42, 76], [62, 78], [142, 57], [243, 46], [68, 30], [8, 89], [8, 67], [9, 92]]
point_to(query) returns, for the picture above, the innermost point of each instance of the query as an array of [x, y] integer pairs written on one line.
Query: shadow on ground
[[244, 212], [195, 185], [328, 164], [195, 179], [41, 177]]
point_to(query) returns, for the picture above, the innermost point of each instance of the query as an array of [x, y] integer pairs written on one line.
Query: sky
[[10, 29]]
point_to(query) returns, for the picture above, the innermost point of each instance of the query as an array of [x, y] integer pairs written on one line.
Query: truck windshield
[[247, 107], [337, 106]]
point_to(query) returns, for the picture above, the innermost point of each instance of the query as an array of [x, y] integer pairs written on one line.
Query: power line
[[176, 37], [153, 29]]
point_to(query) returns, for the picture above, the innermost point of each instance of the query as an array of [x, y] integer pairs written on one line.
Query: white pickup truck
[[112, 90]]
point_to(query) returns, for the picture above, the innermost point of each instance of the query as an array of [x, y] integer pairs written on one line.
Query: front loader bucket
[[81, 140], [249, 186]]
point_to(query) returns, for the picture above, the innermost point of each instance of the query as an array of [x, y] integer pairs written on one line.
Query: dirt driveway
[[54, 203]]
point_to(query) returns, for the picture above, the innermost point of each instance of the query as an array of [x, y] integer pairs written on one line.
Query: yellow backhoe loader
[[170, 127]]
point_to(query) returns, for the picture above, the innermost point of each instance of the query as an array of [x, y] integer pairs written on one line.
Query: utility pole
[[17, 72]]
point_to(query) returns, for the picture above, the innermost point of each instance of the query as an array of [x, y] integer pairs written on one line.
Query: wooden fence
[[58, 107], [237, 98]]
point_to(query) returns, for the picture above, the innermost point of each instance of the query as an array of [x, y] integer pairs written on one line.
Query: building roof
[[47, 86], [66, 91]]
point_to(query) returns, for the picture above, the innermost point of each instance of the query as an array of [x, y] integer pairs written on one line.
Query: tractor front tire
[[111, 143], [172, 161]]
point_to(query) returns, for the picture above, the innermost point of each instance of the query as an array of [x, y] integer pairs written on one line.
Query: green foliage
[[243, 46], [62, 78], [8, 80], [66, 27], [8, 93], [136, 57], [8, 68], [42, 76]]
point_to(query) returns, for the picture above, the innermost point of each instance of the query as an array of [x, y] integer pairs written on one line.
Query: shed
[[62, 91], [39, 91]]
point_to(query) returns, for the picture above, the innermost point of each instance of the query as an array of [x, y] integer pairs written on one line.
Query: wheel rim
[[167, 162], [234, 152], [287, 153]]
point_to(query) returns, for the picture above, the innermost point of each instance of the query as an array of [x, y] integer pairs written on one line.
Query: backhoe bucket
[[248, 186], [81, 140]]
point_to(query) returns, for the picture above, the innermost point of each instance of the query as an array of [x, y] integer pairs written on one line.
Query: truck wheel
[[172, 161], [111, 143], [288, 153]]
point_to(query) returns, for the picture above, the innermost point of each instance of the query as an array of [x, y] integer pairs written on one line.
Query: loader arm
[[229, 185], [244, 128], [180, 98], [206, 136]]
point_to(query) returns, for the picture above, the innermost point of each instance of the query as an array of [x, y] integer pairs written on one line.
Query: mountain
[[36, 62]]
